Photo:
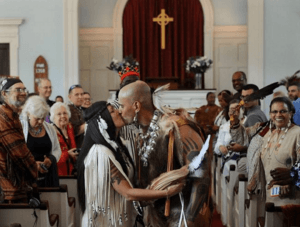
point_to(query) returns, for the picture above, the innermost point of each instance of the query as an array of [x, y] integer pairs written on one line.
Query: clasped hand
[[47, 163]]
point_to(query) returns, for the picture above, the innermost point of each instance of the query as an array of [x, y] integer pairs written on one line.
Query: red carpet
[[216, 220]]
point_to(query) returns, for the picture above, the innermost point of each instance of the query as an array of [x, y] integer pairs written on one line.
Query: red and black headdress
[[128, 67]]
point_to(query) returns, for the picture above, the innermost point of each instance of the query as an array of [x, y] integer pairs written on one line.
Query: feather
[[290, 79], [262, 93], [157, 99], [197, 161]]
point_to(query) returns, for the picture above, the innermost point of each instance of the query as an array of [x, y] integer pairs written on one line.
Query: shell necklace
[[149, 138]]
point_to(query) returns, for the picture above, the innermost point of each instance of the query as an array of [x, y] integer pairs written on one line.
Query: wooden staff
[[169, 166]]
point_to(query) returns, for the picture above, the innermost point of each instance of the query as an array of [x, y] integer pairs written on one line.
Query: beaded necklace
[[149, 138], [35, 132], [279, 143]]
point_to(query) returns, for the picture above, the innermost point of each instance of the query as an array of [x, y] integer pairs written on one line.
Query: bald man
[[152, 156]]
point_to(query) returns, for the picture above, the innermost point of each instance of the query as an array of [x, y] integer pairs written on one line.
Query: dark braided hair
[[92, 137]]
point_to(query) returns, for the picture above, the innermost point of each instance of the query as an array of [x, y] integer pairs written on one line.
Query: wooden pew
[[71, 182], [274, 216], [22, 213], [60, 203], [230, 195], [218, 184], [255, 209], [239, 202]]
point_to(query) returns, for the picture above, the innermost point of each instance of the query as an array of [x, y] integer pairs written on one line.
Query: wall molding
[[238, 31], [9, 33], [207, 7], [94, 34], [71, 44]]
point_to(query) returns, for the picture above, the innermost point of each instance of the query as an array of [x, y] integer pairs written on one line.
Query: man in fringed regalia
[[168, 140]]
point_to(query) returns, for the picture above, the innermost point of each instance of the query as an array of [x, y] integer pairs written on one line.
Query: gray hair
[[39, 81], [36, 106], [57, 106]]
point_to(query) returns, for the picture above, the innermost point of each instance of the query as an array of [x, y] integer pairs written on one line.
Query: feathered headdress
[[268, 90], [128, 67], [294, 79]]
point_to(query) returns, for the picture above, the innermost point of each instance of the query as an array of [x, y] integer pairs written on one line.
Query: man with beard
[[160, 135], [17, 165], [239, 79]]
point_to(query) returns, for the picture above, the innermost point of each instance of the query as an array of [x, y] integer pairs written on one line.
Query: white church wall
[[99, 13], [281, 41], [96, 13], [41, 33], [230, 12]]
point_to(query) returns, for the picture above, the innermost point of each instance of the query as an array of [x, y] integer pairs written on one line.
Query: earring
[[135, 120]]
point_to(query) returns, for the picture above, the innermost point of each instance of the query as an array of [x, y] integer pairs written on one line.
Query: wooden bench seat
[[60, 203], [71, 181], [22, 213]]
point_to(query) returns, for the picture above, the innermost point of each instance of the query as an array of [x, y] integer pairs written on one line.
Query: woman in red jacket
[[59, 115]]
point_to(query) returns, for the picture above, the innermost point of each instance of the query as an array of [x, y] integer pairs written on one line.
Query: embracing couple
[[109, 178]]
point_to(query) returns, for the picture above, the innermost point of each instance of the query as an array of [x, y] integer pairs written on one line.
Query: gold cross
[[163, 19]]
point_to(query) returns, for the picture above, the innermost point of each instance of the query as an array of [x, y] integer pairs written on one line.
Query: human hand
[[236, 147], [72, 153], [40, 169], [281, 176], [215, 128], [47, 162], [223, 150], [175, 189], [285, 191]]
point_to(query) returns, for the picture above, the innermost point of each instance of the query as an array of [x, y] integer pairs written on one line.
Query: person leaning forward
[[18, 168], [136, 107]]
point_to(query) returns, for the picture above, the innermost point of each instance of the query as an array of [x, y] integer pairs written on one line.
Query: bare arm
[[122, 186]]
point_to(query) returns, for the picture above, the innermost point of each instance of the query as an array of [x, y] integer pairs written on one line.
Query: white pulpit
[[180, 98]]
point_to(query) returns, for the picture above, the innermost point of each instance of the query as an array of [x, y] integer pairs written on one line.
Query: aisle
[[216, 220]]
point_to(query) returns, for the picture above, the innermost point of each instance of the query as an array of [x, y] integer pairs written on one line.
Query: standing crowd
[[135, 149]]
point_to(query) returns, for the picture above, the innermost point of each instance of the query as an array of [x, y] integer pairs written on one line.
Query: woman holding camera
[[60, 115], [41, 140]]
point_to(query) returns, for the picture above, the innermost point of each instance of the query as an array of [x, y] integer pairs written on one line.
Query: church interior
[[72, 42]]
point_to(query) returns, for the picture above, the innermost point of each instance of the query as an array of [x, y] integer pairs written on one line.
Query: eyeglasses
[[74, 86], [280, 111], [237, 80], [243, 97], [19, 90], [89, 100]]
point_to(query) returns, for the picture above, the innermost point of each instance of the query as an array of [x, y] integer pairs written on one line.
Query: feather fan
[[268, 90], [157, 99]]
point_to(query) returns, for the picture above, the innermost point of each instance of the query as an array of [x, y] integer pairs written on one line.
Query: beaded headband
[[128, 67]]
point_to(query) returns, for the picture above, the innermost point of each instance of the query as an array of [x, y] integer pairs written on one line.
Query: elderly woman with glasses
[[60, 115], [41, 140]]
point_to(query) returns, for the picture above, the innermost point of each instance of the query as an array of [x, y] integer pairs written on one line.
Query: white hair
[[40, 80], [56, 106], [36, 106]]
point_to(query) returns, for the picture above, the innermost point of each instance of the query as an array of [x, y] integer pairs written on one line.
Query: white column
[[71, 44], [256, 42]]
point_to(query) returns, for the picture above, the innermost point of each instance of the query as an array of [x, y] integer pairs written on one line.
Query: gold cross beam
[[163, 19]]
